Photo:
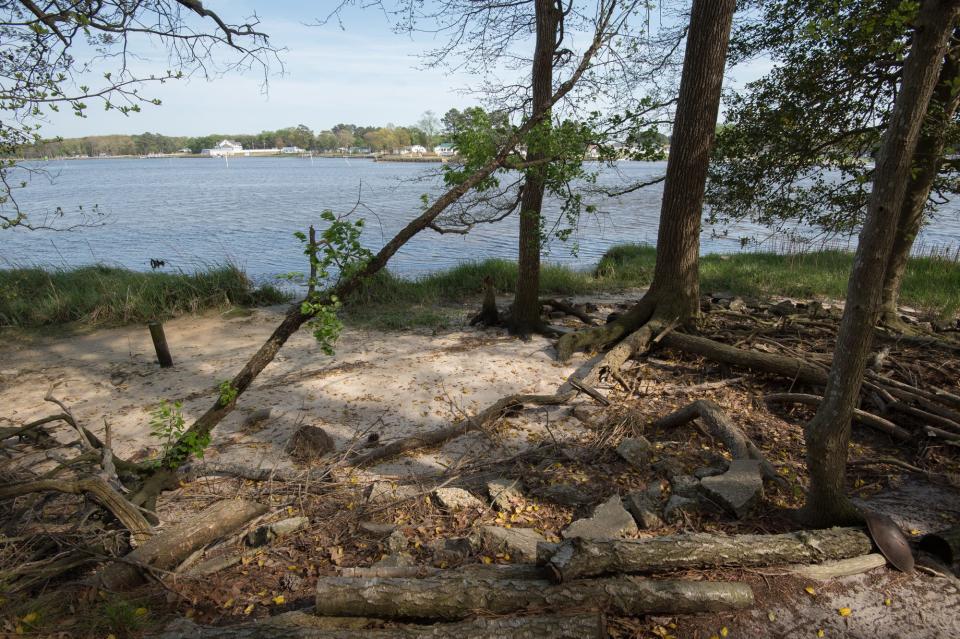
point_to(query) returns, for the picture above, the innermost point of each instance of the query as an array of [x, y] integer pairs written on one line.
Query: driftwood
[[860, 416], [580, 557], [299, 625], [441, 435], [563, 307], [453, 598], [171, 547], [720, 426], [128, 514], [841, 567]]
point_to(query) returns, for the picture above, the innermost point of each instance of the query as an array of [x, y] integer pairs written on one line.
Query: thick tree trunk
[[577, 558], [828, 435], [927, 160], [299, 625], [675, 291], [525, 316], [453, 598]]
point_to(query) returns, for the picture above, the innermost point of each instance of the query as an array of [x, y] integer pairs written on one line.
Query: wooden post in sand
[[160, 344]]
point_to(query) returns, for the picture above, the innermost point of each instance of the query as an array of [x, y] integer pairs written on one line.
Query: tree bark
[[299, 625], [927, 160], [578, 558], [168, 549], [828, 435], [525, 316], [674, 293], [453, 598]]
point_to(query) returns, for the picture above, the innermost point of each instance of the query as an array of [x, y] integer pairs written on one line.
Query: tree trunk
[[457, 598], [525, 317], [579, 557], [927, 160], [675, 291], [828, 435]]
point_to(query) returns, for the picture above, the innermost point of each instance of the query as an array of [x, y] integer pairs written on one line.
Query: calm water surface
[[192, 212]]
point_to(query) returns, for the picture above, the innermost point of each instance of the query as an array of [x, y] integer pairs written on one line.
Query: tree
[[430, 125], [673, 295], [818, 114], [47, 51], [828, 434]]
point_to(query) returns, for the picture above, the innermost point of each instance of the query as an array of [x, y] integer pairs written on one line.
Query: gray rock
[[520, 543], [395, 560], [566, 494], [738, 489], [685, 486], [678, 506], [784, 308], [644, 510], [709, 471], [456, 499], [309, 443], [504, 492], [635, 451], [655, 491], [737, 304], [396, 542], [545, 550], [668, 467], [377, 529], [383, 491], [609, 520], [265, 534]]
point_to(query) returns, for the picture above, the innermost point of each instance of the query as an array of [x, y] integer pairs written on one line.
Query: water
[[197, 212]]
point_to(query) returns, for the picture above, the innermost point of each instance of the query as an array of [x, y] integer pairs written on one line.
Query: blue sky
[[361, 74]]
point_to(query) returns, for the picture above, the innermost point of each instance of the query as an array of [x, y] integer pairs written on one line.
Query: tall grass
[[106, 295]]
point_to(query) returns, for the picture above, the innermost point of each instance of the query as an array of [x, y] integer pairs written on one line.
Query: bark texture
[[675, 290], [457, 598], [298, 625], [577, 558], [525, 316], [828, 434], [169, 548]]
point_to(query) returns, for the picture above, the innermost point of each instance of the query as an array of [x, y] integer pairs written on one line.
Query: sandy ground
[[393, 384]]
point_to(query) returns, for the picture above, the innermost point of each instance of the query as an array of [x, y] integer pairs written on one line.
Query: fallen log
[[457, 598], [299, 625], [563, 307], [581, 557], [841, 567], [441, 435], [859, 416], [169, 548]]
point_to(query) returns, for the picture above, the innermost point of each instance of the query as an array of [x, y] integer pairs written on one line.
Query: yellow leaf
[[30, 617], [724, 632], [486, 560], [887, 602], [111, 636], [18, 629], [820, 632], [140, 612], [810, 591], [228, 603], [714, 636], [771, 616], [914, 531], [279, 600], [844, 612], [248, 609]]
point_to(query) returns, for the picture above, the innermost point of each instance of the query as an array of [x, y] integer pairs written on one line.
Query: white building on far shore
[[225, 147]]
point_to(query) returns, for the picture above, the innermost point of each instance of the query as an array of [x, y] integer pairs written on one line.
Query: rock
[[254, 421], [504, 492], [456, 499], [585, 413], [644, 510], [738, 489], [520, 543], [655, 491], [545, 550], [709, 471], [784, 308], [590, 307], [685, 486], [265, 534], [737, 304], [381, 491], [668, 467], [635, 451], [609, 520], [724, 303], [396, 542], [309, 443], [395, 560], [723, 295], [678, 506], [566, 494], [458, 547], [377, 529]]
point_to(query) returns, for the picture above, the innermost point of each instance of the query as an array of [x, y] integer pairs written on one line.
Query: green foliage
[[167, 426], [107, 295], [228, 392]]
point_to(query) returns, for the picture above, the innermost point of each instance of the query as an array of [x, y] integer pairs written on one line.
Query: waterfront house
[[224, 147], [445, 150], [291, 149]]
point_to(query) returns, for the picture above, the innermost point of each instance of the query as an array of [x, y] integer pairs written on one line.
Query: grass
[[931, 283], [106, 295]]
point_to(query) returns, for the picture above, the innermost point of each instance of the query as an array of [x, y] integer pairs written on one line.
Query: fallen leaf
[[820, 632], [810, 591], [279, 600], [140, 612], [248, 609], [771, 616], [724, 632], [844, 612], [887, 602], [30, 617]]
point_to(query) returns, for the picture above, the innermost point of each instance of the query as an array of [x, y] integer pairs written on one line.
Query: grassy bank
[[105, 295], [932, 284]]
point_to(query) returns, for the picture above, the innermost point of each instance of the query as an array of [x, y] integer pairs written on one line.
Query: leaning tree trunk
[[674, 293], [828, 434], [927, 160], [525, 317]]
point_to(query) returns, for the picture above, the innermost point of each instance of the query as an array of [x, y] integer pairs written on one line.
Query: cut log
[[298, 625], [578, 558], [169, 548], [456, 598], [441, 435], [841, 567], [860, 416]]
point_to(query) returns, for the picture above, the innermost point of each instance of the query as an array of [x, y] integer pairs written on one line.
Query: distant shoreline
[[243, 156]]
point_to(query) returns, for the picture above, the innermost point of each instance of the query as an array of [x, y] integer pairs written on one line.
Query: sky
[[361, 73]]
